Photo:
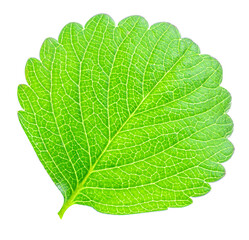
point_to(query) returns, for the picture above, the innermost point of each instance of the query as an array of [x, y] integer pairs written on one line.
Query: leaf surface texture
[[128, 118]]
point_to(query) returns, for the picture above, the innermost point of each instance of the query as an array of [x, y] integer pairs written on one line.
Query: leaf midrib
[[80, 186]]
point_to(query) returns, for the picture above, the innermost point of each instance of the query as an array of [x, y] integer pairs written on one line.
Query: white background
[[29, 201]]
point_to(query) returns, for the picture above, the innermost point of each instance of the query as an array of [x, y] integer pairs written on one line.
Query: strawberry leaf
[[126, 119]]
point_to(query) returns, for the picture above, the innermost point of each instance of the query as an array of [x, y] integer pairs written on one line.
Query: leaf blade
[[127, 119]]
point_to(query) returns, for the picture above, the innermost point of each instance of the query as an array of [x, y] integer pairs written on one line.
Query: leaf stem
[[70, 201], [65, 206]]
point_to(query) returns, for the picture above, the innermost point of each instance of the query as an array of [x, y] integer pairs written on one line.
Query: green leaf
[[126, 119]]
